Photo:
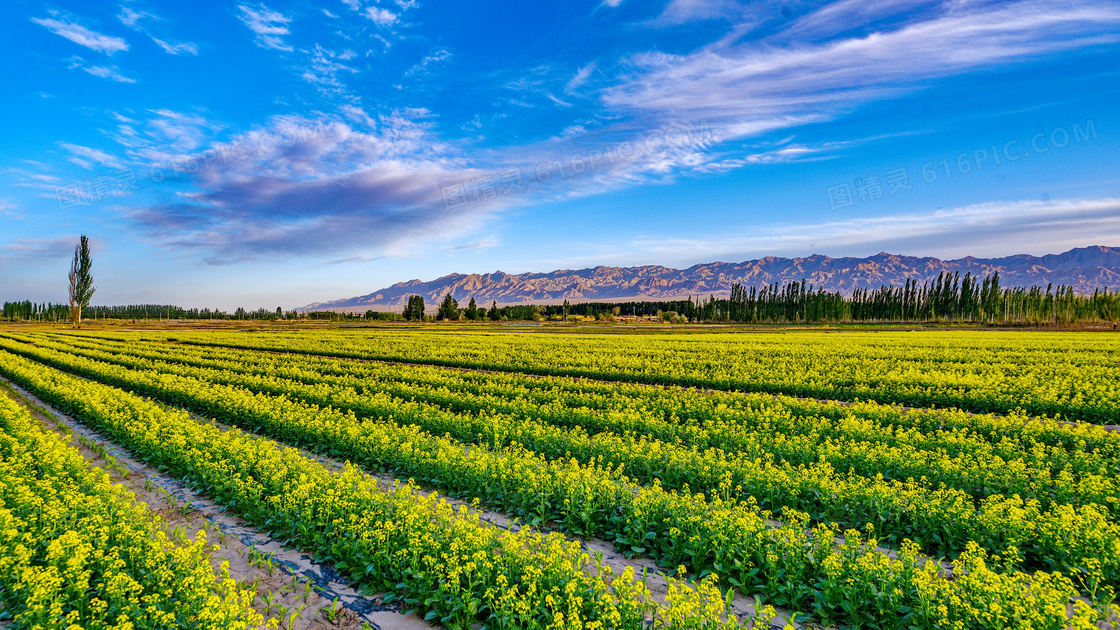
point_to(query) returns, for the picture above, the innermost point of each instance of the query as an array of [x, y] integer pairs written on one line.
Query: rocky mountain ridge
[[1086, 269]]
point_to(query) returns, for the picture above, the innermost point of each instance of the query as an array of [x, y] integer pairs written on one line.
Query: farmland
[[474, 478]]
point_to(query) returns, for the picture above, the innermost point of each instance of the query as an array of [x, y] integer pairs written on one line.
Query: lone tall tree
[[449, 309], [415, 308], [81, 280]]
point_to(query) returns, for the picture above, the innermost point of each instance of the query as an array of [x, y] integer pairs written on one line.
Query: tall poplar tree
[[81, 280]]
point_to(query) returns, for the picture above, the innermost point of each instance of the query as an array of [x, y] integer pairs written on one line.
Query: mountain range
[[1085, 268]]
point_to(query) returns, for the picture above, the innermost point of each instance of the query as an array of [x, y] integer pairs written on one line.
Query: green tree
[[81, 280], [414, 310], [449, 308], [472, 311]]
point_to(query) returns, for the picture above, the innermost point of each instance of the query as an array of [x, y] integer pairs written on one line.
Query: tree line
[[49, 312], [949, 297]]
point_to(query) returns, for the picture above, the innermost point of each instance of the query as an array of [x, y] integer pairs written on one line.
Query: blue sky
[[250, 154]]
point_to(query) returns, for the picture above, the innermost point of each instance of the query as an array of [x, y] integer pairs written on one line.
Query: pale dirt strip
[[245, 547], [655, 576], [323, 576]]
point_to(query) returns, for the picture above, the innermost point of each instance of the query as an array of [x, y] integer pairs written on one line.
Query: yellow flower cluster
[[1072, 374], [77, 551], [530, 471], [437, 559], [791, 565], [975, 463]]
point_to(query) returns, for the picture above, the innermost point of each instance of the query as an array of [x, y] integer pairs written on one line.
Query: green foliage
[[81, 280], [448, 309], [440, 561], [414, 309]]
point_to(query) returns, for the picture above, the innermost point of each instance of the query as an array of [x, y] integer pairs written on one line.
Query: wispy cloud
[[83, 156], [480, 245], [6, 209], [136, 20], [996, 228], [105, 72], [176, 48], [847, 15], [323, 68], [581, 77], [81, 35], [748, 89], [39, 248], [109, 72], [32, 179], [559, 102], [427, 62], [681, 11], [268, 25], [164, 135]]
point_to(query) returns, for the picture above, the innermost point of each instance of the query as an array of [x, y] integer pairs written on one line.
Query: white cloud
[[83, 36], [680, 11], [105, 72], [132, 18], [582, 75], [82, 155], [997, 228], [322, 70], [267, 24], [480, 245], [556, 100], [356, 114], [381, 17], [845, 15], [177, 48], [746, 89], [39, 248], [431, 59], [109, 72]]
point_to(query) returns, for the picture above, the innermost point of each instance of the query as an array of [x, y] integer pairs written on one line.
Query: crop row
[[941, 521], [77, 551], [686, 414], [788, 563], [1018, 431], [1052, 475], [1073, 375], [436, 558]]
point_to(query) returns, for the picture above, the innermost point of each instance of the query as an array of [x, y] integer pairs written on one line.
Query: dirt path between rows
[[655, 576], [243, 537], [302, 592]]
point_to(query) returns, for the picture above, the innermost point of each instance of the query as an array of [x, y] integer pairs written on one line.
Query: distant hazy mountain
[[1086, 268]]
